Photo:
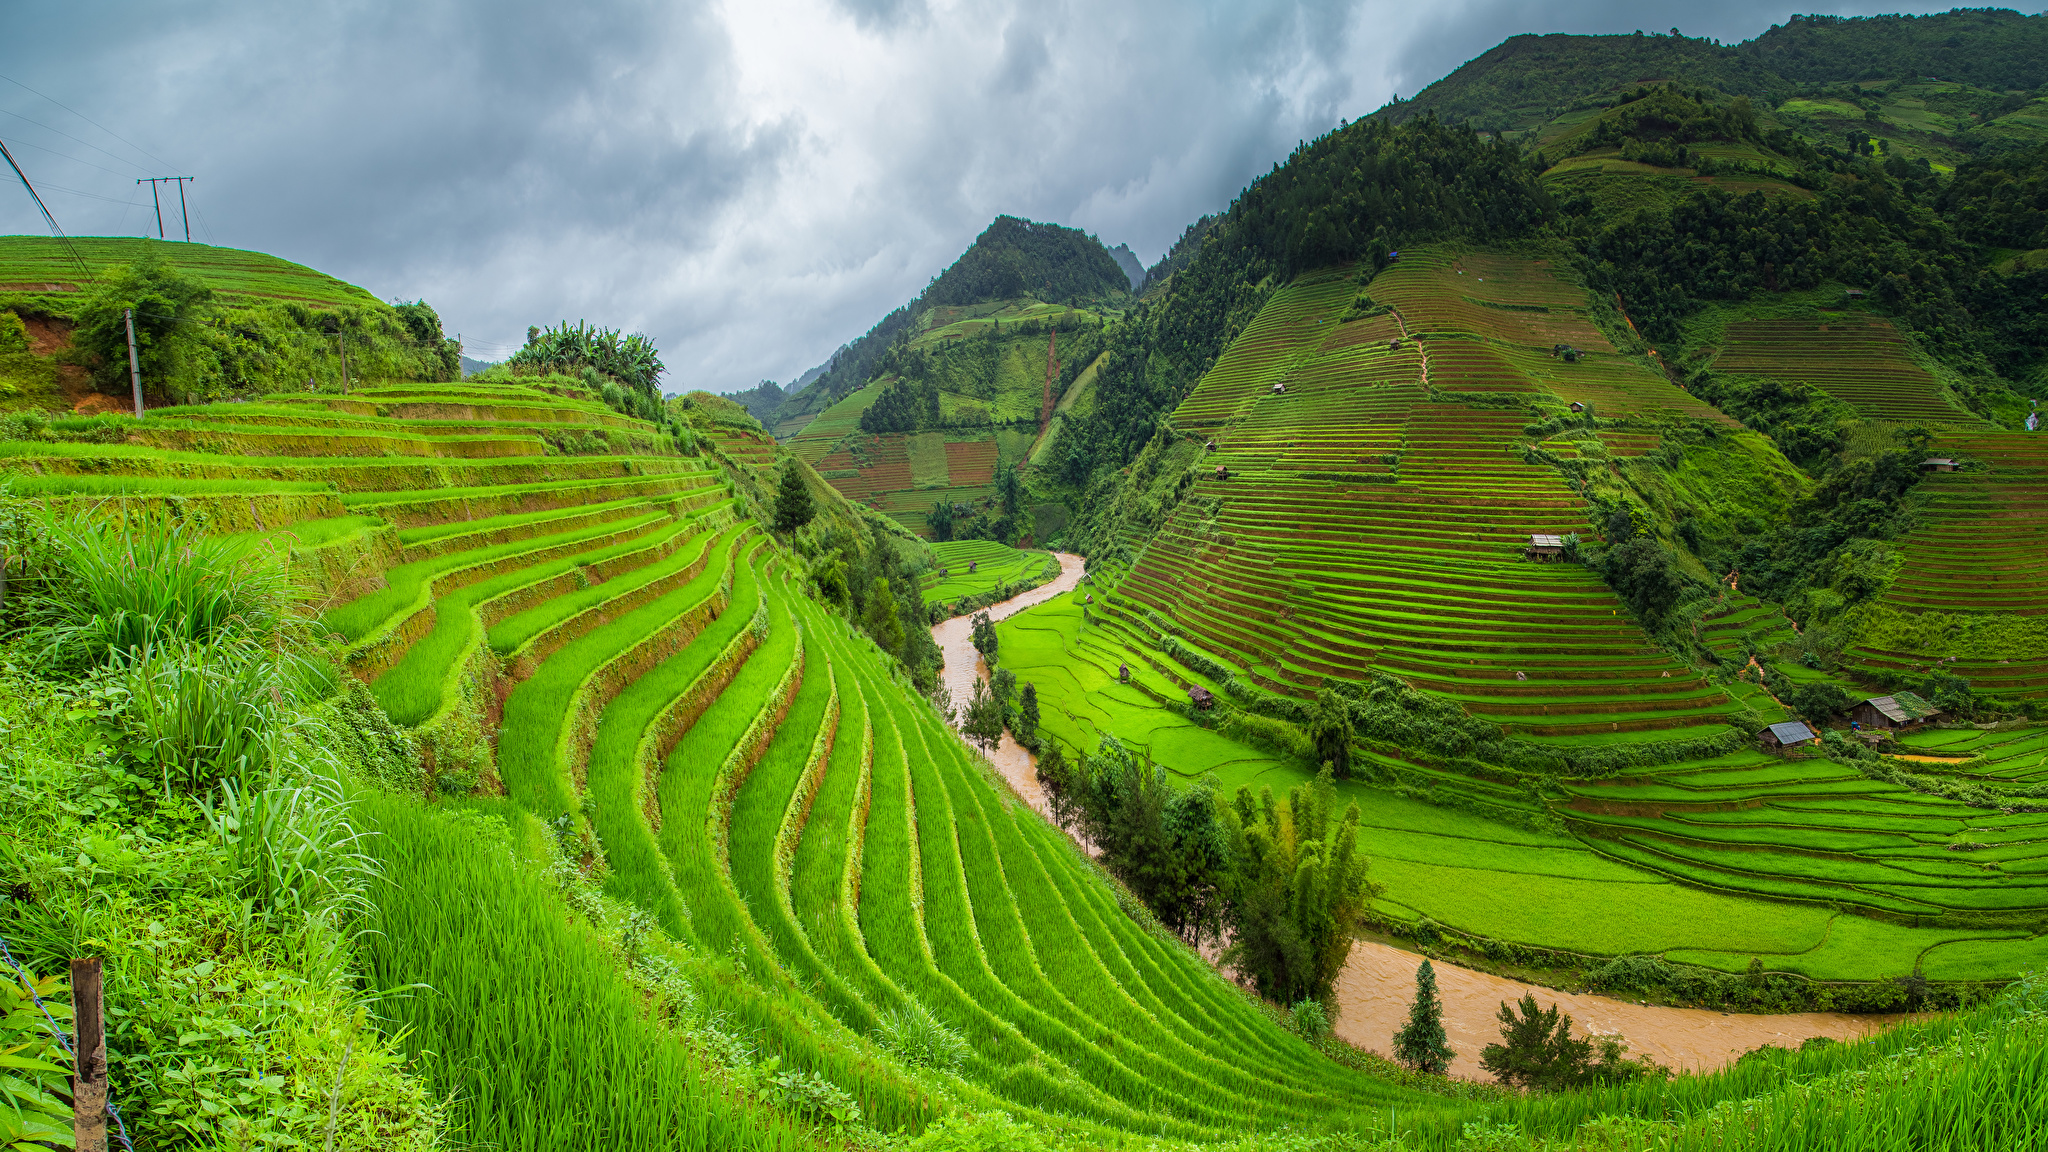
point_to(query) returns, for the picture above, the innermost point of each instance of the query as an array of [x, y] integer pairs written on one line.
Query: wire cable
[[45, 210], [69, 136], [89, 120]]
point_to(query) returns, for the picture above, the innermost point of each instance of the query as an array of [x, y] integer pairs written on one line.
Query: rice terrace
[[1526, 630]]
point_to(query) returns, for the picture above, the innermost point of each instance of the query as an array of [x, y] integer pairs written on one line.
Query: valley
[[1574, 534]]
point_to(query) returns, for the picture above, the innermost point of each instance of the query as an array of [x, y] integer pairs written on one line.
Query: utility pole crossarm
[[154, 182]]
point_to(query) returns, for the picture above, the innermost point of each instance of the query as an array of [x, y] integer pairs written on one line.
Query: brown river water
[[1378, 981]]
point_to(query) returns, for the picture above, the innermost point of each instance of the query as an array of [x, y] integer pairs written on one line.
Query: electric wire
[[37, 197], [89, 120]]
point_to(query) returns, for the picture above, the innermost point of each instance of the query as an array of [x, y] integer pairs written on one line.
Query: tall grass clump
[[98, 593]]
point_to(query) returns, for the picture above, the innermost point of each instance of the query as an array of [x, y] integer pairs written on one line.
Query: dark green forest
[[1528, 79]]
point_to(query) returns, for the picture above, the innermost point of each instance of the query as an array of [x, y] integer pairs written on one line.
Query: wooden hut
[[1201, 697], [1544, 547], [1899, 710], [1938, 464], [1222, 473], [1790, 734], [1279, 388], [1123, 673], [972, 565], [1578, 406]]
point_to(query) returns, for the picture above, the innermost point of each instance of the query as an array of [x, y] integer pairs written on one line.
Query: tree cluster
[[193, 346], [1538, 1051], [1282, 880], [1015, 257]]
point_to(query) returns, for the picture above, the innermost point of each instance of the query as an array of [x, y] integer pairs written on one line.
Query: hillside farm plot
[[1860, 360], [964, 568], [45, 265], [1971, 596], [1365, 526]]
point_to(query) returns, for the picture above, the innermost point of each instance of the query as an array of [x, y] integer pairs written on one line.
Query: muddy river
[[1378, 982]]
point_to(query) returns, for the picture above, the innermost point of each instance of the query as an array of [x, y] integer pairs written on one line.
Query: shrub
[[1308, 1019], [917, 1038]]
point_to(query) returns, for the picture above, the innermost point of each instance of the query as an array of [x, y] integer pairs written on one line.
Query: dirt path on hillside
[[1378, 981], [964, 666]]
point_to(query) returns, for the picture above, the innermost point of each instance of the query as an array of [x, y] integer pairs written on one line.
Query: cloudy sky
[[752, 182]]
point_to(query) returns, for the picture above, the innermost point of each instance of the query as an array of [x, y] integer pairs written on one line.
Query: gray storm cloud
[[752, 183]]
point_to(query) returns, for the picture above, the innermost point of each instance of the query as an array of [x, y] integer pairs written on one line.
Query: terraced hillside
[[1369, 519], [40, 266], [1374, 512], [608, 640], [1971, 592], [1862, 361], [993, 410]]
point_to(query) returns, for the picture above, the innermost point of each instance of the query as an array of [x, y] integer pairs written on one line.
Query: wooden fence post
[[89, 1043]]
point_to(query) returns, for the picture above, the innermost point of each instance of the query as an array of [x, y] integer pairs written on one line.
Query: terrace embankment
[[1378, 981], [955, 638]]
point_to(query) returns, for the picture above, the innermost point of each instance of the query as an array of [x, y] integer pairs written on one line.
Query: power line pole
[[134, 365], [153, 181]]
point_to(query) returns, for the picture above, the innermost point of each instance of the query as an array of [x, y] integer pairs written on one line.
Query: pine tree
[[1026, 726], [793, 507], [1420, 1044]]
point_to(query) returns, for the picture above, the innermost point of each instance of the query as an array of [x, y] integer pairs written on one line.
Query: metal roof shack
[[1898, 710], [1939, 464], [1787, 735], [1201, 697], [1544, 547]]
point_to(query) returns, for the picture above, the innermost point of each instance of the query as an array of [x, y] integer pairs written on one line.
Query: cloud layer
[[750, 182]]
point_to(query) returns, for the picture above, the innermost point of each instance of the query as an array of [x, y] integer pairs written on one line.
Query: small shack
[[1201, 697], [1394, 345], [1393, 257], [1279, 388], [1123, 673], [1938, 464], [1855, 294], [1208, 446], [1578, 406], [1222, 473], [1899, 710], [972, 565], [1544, 547], [1790, 734]]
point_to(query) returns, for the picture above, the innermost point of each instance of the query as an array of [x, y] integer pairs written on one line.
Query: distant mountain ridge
[[1012, 257], [1526, 80]]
